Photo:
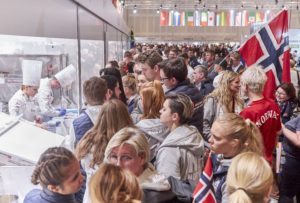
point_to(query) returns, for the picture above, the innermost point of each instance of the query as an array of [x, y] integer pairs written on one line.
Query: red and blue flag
[[269, 48]]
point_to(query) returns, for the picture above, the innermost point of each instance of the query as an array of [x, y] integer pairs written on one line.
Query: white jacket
[[20, 103], [45, 98]]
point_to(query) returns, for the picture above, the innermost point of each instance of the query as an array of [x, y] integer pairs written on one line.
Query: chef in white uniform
[[23, 103], [45, 97]]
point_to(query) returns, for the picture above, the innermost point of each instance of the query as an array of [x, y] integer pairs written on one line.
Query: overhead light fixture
[[123, 3], [134, 9], [157, 11], [160, 6]]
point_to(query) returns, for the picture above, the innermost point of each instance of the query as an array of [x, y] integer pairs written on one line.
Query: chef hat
[[66, 76], [32, 71]]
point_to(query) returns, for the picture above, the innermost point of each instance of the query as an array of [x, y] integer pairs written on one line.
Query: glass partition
[[112, 42], [91, 45], [55, 53]]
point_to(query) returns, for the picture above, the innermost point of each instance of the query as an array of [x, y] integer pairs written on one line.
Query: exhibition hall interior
[[149, 101]]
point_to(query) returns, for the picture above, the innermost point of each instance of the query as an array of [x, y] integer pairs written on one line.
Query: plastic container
[[51, 126]]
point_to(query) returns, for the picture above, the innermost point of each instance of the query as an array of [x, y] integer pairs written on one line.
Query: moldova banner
[[269, 48]]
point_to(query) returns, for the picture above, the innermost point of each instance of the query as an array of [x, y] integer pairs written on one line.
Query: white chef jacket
[[20, 103]]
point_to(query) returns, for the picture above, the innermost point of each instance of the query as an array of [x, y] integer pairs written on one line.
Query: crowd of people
[[159, 116]]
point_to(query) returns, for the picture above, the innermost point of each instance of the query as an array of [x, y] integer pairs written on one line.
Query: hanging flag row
[[211, 18]]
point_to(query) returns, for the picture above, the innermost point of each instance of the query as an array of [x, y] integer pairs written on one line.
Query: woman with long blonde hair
[[249, 179], [224, 99]]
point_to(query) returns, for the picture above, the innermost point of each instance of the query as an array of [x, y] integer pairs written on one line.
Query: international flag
[[269, 47], [171, 15], [204, 18], [223, 18], [182, 19], [231, 18], [164, 17], [197, 18], [176, 18], [238, 19], [252, 16], [259, 17], [204, 192], [218, 19], [245, 18], [211, 18], [190, 18]]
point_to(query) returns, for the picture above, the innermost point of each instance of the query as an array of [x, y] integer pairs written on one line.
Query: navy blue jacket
[[186, 87], [46, 196], [81, 125]]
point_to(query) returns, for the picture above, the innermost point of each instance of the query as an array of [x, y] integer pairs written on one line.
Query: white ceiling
[[211, 4]]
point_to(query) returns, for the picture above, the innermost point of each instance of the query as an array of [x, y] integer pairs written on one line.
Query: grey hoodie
[[155, 132], [181, 154]]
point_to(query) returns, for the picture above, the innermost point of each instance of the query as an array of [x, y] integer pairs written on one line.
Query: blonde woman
[[230, 136], [153, 97], [130, 150], [224, 99], [249, 179], [111, 184]]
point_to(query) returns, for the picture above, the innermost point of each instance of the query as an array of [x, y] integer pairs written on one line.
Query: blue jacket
[[81, 125], [46, 196], [186, 87]]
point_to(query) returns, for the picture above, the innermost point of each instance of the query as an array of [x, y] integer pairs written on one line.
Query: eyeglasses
[[163, 79], [280, 93]]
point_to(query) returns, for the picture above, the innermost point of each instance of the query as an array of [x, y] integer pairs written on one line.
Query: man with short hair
[[173, 73], [173, 54], [95, 93], [201, 81], [149, 60], [235, 62]]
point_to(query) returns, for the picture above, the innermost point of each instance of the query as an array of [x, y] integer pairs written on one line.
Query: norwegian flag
[[269, 47], [204, 192]]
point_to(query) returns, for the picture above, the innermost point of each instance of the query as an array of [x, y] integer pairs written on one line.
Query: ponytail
[[254, 142], [249, 179], [239, 196], [243, 130]]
